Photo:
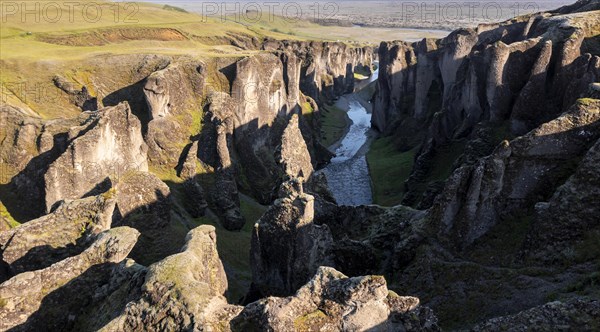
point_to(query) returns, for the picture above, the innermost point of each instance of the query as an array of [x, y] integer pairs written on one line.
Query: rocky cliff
[[330, 301], [97, 288], [287, 247], [512, 108], [478, 85], [508, 238], [111, 145], [238, 108]]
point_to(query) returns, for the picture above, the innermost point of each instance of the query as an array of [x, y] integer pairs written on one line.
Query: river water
[[348, 173]]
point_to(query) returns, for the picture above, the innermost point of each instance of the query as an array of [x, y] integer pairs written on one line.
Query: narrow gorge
[[294, 185]]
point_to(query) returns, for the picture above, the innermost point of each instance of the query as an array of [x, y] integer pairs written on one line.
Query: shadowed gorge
[[189, 171]]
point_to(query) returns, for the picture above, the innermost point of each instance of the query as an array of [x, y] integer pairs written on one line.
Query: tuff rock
[[330, 301], [111, 145], [35, 299], [287, 246], [65, 232]]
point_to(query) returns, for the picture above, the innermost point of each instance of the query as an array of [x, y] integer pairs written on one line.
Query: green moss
[[587, 101], [503, 242], [310, 322], [7, 217], [389, 169], [362, 71], [110, 193], [196, 125], [3, 302], [360, 77], [307, 109]]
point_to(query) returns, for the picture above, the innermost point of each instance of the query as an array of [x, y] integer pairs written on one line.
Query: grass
[[334, 122], [7, 217], [76, 46], [360, 77], [443, 161], [389, 169]]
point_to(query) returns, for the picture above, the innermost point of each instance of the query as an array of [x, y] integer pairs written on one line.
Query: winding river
[[348, 173]]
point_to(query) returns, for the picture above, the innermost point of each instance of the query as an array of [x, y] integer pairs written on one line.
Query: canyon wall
[[477, 86], [235, 113]]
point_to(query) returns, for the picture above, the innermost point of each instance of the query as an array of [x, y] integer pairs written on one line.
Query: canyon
[[171, 192]]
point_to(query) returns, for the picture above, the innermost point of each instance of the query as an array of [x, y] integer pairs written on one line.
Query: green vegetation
[[389, 169], [234, 247], [5, 216], [307, 109], [443, 161], [360, 77], [502, 243], [587, 101], [311, 321], [361, 73], [334, 123]]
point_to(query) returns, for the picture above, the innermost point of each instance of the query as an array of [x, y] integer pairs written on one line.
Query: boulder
[[65, 232], [330, 301], [30, 301], [182, 292]]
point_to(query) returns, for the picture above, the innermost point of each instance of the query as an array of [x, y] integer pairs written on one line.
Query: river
[[348, 173]]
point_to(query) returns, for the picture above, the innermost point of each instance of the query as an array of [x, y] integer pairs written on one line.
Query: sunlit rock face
[[182, 292], [495, 72], [37, 299], [65, 232], [111, 145], [331, 301], [478, 85]]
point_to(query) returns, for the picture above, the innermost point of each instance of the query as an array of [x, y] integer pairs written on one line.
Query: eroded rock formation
[[35, 300], [65, 232], [511, 76], [287, 246], [330, 301], [516, 175], [111, 145], [182, 292]]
